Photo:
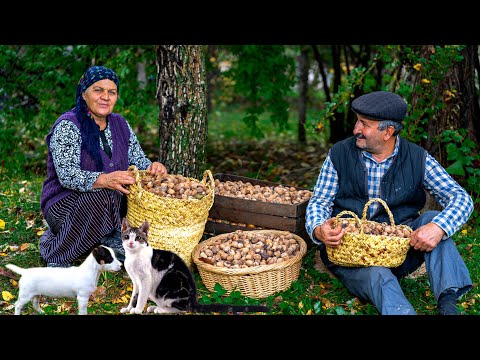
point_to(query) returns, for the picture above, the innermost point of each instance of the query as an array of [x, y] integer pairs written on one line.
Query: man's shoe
[[447, 303]]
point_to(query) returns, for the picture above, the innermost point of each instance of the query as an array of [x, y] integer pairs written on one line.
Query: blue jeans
[[379, 285]]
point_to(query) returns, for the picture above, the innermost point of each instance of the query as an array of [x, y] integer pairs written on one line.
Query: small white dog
[[75, 281]]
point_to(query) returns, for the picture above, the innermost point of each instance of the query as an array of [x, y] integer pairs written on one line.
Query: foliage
[[463, 153], [38, 83], [428, 73], [341, 99], [264, 75]]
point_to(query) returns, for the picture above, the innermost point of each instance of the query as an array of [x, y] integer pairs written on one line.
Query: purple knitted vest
[[53, 191]]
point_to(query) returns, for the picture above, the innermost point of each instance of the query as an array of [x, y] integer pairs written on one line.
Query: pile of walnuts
[[275, 194], [174, 186], [375, 228], [242, 249]]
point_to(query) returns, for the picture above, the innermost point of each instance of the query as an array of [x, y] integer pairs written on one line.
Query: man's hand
[[328, 235], [426, 237]]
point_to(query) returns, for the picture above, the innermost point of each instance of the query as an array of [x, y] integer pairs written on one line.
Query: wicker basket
[[367, 249], [256, 281], [176, 225]]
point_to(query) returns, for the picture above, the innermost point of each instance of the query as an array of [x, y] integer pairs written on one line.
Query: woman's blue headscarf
[[88, 128]]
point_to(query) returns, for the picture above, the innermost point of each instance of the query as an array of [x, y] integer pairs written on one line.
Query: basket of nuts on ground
[[369, 243], [175, 206], [258, 263]]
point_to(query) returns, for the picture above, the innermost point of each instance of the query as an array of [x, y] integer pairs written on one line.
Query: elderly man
[[377, 163]]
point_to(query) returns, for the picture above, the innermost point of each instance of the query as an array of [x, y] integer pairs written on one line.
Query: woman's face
[[101, 97]]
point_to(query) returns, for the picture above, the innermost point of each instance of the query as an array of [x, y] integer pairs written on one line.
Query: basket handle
[[210, 176], [135, 172], [345, 212], [390, 215]]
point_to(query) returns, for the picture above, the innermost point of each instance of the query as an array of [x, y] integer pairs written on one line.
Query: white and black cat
[[163, 277]]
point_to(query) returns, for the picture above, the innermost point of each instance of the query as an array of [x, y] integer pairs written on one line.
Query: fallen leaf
[[277, 299], [2, 224], [99, 292], [469, 247], [327, 304], [30, 223], [24, 246], [7, 296], [66, 306], [8, 273]]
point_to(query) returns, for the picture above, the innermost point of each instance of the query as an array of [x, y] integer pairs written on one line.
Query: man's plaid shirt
[[456, 202]]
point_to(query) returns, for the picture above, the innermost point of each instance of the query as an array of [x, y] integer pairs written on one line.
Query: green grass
[[312, 293]]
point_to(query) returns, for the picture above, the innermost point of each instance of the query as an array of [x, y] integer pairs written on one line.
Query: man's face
[[369, 138]]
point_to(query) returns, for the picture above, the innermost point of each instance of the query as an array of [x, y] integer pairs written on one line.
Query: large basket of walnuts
[[369, 243], [258, 263], [176, 207]]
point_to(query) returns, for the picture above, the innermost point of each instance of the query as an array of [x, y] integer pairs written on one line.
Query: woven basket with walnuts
[[369, 243], [258, 263]]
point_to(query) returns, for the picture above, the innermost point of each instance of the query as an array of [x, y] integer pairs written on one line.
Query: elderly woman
[[89, 151]]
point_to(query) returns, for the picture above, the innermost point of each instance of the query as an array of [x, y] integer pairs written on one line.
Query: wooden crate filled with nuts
[[243, 203]]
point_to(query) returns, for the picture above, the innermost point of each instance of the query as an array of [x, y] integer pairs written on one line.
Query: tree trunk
[[323, 74], [181, 94], [211, 74], [469, 111], [303, 65], [337, 123], [459, 112]]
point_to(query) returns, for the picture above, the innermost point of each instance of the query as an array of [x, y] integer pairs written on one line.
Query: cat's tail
[[226, 308]]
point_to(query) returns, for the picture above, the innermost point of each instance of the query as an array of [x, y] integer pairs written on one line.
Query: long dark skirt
[[78, 222]]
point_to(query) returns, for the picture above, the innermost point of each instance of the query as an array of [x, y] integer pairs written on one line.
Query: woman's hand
[[157, 168], [329, 235], [115, 180]]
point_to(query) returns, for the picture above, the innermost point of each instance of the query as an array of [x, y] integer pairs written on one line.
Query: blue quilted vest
[[401, 186]]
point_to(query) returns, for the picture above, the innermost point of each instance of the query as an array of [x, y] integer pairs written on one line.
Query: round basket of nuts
[[176, 207], [369, 243], [258, 263]]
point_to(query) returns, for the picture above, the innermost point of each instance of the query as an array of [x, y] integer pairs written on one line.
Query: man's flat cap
[[380, 105]]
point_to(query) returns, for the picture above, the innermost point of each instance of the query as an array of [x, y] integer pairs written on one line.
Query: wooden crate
[[254, 214]]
